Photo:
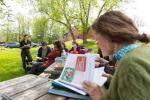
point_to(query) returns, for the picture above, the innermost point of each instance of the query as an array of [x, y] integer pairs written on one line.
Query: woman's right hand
[[93, 90], [107, 75], [97, 64]]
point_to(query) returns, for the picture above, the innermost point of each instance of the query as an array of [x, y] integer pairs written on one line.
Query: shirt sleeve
[[131, 81]]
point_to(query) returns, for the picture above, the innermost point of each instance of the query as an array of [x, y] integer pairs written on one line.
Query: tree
[[40, 28], [24, 25], [75, 13], [57, 12], [86, 9]]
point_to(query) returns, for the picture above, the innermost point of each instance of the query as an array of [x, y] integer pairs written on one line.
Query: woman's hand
[[97, 64], [93, 90], [107, 75]]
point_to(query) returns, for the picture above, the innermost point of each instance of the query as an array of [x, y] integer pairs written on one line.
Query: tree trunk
[[85, 34], [72, 35]]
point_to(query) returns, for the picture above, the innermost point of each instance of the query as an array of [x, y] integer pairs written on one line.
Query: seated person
[[43, 52], [117, 35], [39, 67], [76, 49]]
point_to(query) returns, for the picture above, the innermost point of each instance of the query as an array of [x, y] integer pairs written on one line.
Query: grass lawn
[[10, 60]]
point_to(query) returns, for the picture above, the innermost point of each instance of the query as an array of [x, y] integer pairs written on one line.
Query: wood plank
[[51, 67], [20, 87], [33, 93], [45, 75], [51, 97], [11, 82]]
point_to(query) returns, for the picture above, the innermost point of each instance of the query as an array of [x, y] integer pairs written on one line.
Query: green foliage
[[74, 13], [40, 29], [24, 24], [111, 4]]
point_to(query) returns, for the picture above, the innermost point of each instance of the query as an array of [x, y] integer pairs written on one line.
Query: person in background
[[75, 49], [25, 45], [43, 52], [39, 67], [116, 34]]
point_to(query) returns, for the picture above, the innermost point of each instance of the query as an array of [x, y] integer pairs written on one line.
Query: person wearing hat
[[43, 52]]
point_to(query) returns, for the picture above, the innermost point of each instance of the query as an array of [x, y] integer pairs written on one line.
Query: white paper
[[98, 78], [78, 68]]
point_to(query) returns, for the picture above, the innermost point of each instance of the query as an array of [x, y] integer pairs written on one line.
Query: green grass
[[11, 64]]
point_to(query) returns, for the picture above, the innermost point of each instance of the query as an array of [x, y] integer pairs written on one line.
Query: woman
[[116, 35], [40, 67], [75, 49], [25, 45], [43, 52]]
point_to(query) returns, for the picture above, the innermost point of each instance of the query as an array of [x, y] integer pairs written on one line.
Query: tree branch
[[88, 12], [58, 21], [101, 9], [81, 17], [54, 18], [83, 7]]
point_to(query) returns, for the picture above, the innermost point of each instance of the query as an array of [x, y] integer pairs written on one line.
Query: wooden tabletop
[[28, 87], [52, 70]]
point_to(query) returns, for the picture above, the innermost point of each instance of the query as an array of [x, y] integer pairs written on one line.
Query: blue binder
[[62, 91]]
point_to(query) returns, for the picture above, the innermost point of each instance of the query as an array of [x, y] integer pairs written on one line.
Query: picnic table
[[28, 87], [31, 87]]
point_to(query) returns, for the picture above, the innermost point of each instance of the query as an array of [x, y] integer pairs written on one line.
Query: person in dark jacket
[[25, 45], [43, 52]]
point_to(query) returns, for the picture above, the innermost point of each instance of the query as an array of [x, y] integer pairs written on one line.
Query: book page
[[78, 68], [98, 78]]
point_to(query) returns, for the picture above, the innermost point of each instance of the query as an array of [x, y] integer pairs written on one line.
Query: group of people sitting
[[46, 56]]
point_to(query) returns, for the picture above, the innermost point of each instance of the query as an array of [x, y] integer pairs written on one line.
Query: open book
[[79, 68]]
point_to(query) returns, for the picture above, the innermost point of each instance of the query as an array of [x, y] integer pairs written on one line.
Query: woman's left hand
[[93, 90]]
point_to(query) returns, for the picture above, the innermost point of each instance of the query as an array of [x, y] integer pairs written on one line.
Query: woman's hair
[[24, 36], [44, 43], [58, 44], [118, 27]]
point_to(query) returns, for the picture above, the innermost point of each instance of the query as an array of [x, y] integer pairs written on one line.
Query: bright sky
[[18, 8], [138, 8]]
